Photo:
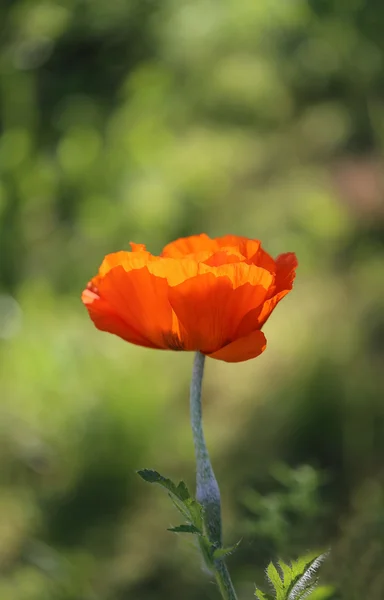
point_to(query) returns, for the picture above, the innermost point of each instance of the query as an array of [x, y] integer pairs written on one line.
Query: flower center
[[172, 341]]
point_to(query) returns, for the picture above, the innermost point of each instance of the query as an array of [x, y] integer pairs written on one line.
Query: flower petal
[[243, 348], [105, 319], [140, 299], [127, 260], [286, 265], [205, 294], [189, 245], [175, 271], [285, 274], [138, 247], [198, 243], [224, 257], [269, 306], [211, 305], [230, 240]]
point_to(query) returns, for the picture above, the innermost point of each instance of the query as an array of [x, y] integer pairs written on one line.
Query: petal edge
[[242, 349]]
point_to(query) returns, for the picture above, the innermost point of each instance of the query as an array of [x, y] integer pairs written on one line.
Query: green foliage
[[295, 581], [357, 555], [180, 496], [263, 595], [186, 528], [223, 552], [295, 498], [193, 512], [180, 491]]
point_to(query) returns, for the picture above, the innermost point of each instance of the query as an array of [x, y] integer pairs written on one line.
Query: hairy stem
[[207, 489]]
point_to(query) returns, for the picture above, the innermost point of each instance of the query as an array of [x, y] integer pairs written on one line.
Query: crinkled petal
[[286, 265], [269, 306], [199, 243], [140, 300], [189, 245], [211, 305], [224, 257], [212, 295], [285, 274], [105, 319], [173, 270], [126, 260]]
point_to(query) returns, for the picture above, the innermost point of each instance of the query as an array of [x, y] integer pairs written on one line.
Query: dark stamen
[[172, 341]]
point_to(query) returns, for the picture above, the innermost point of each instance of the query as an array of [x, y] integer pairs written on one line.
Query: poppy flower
[[200, 294]]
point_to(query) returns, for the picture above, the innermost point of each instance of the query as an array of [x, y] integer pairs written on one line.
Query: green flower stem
[[224, 581], [207, 489]]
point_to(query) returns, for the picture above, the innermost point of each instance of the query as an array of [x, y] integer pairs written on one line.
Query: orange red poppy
[[210, 295]]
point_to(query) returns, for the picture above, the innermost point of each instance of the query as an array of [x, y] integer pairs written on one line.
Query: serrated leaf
[[286, 571], [191, 510], [154, 477], [187, 528], [180, 506], [182, 491], [275, 579], [262, 595], [305, 581], [296, 581], [300, 565], [151, 476], [222, 552]]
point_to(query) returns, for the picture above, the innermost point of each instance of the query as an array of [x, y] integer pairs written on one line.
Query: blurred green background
[[147, 120]]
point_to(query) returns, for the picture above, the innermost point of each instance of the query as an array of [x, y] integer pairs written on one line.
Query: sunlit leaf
[[275, 579], [295, 581]]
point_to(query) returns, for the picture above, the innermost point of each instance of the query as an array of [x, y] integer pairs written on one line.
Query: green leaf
[[286, 571], [300, 565], [296, 581], [182, 491], [222, 552], [206, 550], [262, 595], [180, 506], [304, 578], [191, 510], [323, 592], [187, 528], [154, 477], [196, 512], [275, 579]]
